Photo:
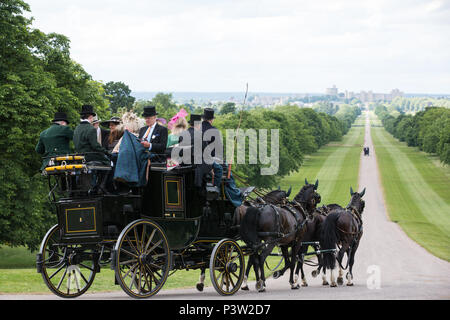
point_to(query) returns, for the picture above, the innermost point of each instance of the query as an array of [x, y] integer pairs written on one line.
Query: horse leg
[[342, 251], [295, 250], [299, 268], [316, 272], [261, 286], [324, 277], [332, 279], [350, 264], [285, 253], [201, 281], [244, 285]]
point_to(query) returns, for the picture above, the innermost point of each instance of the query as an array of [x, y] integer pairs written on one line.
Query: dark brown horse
[[283, 226], [342, 228]]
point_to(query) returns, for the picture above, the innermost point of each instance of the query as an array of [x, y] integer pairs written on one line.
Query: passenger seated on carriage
[[153, 136], [56, 139], [85, 141]]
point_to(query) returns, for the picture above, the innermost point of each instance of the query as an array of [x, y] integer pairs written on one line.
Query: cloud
[[301, 46]]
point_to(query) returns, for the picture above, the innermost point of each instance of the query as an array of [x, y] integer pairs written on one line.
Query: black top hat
[[115, 120], [87, 109], [149, 111], [60, 116], [195, 117], [208, 114]]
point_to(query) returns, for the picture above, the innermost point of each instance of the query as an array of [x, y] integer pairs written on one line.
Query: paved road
[[394, 266]]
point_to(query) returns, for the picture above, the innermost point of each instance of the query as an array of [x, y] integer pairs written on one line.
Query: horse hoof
[[200, 286], [295, 287], [304, 284], [333, 285], [350, 284], [245, 288], [325, 283], [340, 281]]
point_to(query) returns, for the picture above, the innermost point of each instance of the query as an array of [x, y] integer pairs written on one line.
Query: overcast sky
[[275, 46]]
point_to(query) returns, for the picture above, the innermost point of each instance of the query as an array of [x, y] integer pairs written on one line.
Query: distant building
[[331, 91], [372, 97]]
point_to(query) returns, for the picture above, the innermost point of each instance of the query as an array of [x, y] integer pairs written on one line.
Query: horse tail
[[328, 239], [248, 229]]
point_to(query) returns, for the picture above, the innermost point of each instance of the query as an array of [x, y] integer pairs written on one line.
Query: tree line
[[38, 77], [429, 130]]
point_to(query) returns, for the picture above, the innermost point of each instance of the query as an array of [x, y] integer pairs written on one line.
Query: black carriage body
[[170, 198], [93, 220]]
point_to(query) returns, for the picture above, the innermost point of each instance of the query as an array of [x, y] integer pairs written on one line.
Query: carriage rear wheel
[[67, 270], [142, 258], [227, 266]]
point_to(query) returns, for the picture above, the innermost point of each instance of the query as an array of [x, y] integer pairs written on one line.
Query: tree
[[229, 107], [118, 94], [37, 78]]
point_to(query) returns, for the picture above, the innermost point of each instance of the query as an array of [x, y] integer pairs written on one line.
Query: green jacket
[[85, 140], [54, 141]]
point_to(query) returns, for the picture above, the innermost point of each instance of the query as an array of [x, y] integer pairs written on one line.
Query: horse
[[312, 234], [306, 201], [342, 228], [275, 197], [283, 226]]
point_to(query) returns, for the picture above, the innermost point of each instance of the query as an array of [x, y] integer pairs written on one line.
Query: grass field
[[336, 165], [416, 191]]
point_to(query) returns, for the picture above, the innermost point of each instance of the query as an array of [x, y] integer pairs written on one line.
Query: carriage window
[[174, 202], [172, 192]]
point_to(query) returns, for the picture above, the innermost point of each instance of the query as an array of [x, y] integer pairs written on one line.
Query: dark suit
[[207, 126], [54, 141], [158, 138], [85, 141]]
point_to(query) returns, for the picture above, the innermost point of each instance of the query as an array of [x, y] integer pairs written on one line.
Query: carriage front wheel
[[142, 258], [227, 267], [67, 270]]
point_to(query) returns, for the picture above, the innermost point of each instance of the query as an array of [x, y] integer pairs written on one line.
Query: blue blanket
[[132, 161], [232, 192]]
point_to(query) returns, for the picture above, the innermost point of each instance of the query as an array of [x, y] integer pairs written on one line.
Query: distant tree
[[229, 107], [118, 94]]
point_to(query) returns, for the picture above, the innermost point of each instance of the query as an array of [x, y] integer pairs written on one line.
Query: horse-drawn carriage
[[143, 233]]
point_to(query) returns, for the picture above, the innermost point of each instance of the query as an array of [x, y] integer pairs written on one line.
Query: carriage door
[[173, 197]]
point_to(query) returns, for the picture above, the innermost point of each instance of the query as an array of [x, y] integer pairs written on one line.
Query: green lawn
[[416, 191], [336, 165]]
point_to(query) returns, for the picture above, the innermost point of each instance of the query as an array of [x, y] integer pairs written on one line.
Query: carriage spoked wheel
[[227, 267], [142, 258], [67, 270]]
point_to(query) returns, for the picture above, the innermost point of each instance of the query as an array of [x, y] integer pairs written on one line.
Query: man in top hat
[[153, 136], [85, 137], [213, 132], [56, 139], [102, 134], [210, 133]]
